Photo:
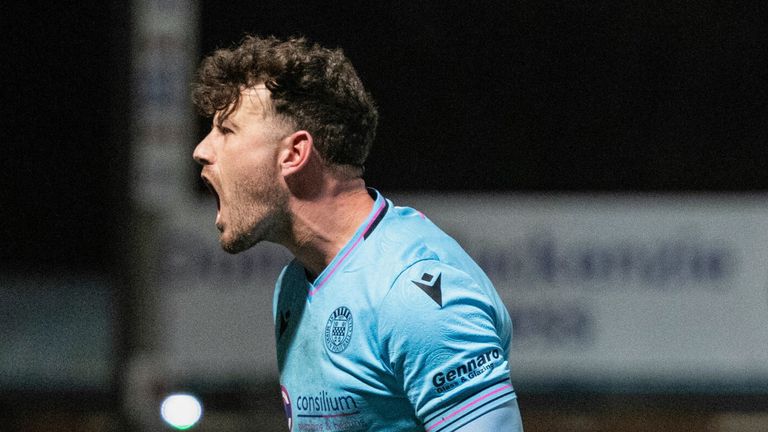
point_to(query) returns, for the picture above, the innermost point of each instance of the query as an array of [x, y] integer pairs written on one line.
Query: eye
[[224, 130]]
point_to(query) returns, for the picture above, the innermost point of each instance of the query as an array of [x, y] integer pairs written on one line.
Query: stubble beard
[[257, 214]]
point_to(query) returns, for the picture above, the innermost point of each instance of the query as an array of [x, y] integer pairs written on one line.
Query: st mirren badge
[[338, 330]]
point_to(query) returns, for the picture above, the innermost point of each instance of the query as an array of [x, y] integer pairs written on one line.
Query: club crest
[[338, 330]]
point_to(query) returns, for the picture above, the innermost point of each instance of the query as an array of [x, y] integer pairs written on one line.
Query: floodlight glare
[[181, 411]]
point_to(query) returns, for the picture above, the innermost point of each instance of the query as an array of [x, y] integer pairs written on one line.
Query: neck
[[322, 225]]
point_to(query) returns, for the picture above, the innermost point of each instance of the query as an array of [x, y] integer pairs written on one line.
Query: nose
[[203, 153]]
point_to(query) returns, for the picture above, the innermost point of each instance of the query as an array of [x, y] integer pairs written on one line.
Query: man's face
[[240, 165]]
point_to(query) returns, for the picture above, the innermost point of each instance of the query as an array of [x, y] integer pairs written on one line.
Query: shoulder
[[443, 283], [417, 254], [429, 291], [443, 335], [408, 224], [406, 236]]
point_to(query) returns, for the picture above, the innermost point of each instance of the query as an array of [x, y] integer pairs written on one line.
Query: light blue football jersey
[[401, 332]]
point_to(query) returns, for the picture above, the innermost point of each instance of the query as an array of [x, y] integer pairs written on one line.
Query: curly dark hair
[[315, 88]]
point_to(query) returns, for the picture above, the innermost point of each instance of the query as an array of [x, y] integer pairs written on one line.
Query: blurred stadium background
[[605, 161]]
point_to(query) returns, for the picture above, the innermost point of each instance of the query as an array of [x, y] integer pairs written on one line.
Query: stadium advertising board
[[625, 292]]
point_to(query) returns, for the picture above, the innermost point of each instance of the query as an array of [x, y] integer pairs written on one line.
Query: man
[[382, 321]]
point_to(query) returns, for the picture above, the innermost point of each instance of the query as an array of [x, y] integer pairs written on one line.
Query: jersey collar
[[380, 206]]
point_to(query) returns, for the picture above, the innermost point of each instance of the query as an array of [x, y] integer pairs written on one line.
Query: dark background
[[531, 96], [512, 96], [64, 135]]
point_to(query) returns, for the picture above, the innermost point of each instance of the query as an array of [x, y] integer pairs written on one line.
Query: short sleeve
[[442, 339]]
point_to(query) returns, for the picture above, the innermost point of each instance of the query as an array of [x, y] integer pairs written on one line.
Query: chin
[[235, 243], [235, 246], [237, 236]]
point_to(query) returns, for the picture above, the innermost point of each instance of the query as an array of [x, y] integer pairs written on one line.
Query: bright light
[[181, 411]]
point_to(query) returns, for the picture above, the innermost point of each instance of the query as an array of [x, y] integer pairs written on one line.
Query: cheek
[[257, 184], [250, 173], [238, 171]]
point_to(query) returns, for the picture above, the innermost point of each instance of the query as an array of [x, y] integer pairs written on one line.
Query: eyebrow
[[219, 123], [231, 123]]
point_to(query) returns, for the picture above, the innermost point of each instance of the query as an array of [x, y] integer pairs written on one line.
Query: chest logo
[[338, 330]]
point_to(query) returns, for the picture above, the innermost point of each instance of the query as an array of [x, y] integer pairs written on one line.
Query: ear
[[295, 152]]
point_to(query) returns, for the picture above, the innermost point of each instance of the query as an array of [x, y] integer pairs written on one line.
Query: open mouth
[[213, 191]]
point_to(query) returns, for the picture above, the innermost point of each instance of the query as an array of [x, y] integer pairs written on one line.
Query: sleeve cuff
[[456, 415]]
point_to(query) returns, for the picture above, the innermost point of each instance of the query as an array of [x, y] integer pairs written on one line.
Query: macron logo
[[433, 291]]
